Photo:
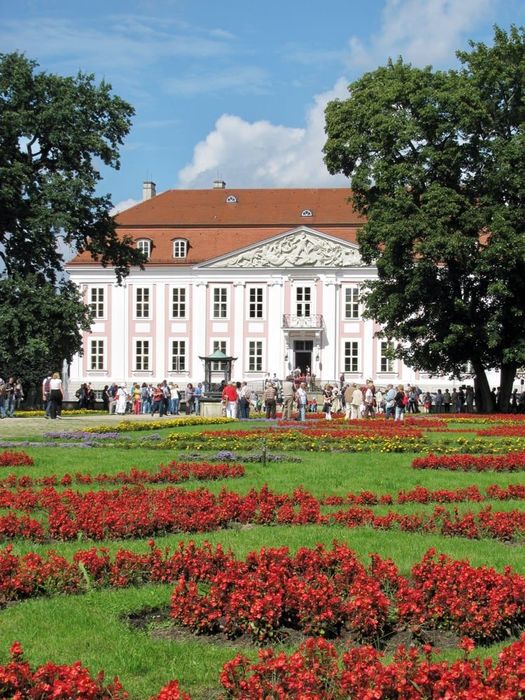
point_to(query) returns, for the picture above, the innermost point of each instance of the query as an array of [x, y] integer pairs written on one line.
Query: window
[[255, 303], [387, 361], [180, 248], [351, 356], [96, 302], [178, 302], [303, 297], [144, 245], [231, 199], [142, 355], [352, 302], [220, 302], [142, 302], [178, 355], [96, 354], [307, 212], [255, 356], [218, 345]]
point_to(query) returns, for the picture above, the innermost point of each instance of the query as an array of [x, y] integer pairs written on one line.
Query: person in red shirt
[[230, 398]]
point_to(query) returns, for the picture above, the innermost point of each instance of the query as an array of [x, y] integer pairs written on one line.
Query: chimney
[[219, 185], [148, 190]]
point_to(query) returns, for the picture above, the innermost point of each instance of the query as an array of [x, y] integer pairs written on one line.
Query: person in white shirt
[[56, 394], [301, 398]]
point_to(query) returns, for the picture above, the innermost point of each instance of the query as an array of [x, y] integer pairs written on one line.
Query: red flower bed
[[174, 472], [514, 461], [51, 681], [15, 459], [316, 672], [504, 431], [318, 591], [140, 512], [325, 592]]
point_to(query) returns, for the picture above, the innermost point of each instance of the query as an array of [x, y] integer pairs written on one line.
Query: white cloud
[[261, 154], [122, 206], [243, 79], [422, 31]]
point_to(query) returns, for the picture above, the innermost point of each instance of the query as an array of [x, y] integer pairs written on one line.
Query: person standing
[[175, 400], [244, 401], [401, 401], [288, 394], [369, 400], [355, 402], [122, 400], [229, 398], [56, 395], [45, 394], [447, 399], [438, 401], [10, 397], [270, 401], [3, 393], [301, 398], [188, 398], [198, 394], [327, 401]]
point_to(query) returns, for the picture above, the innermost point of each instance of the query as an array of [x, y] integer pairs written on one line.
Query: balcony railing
[[293, 321]]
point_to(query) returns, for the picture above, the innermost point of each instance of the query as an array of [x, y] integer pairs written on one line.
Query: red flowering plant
[[467, 462], [15, 459]]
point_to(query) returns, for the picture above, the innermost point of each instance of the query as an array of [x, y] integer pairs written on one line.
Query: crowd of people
[[11, 396], [164, 399]]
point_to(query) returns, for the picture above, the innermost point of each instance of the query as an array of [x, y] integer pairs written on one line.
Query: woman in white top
[[122, 399], [56, 395]]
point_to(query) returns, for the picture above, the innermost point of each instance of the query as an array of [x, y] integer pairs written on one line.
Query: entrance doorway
[[303, 355]]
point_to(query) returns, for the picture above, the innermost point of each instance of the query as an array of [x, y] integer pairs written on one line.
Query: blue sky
[[231, 89]]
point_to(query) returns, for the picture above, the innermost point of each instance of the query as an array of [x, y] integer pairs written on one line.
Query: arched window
[[231, 199], [306, 212], [180, 248], [144, 245]]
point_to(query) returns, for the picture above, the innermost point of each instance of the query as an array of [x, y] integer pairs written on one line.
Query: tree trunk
[[508, 373], [484, 400]]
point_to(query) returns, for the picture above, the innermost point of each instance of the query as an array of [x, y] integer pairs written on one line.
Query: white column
[[370, 346], [198, 341], [330, 351], [275, 344], [119, 327], [159, 293], [237, 329]]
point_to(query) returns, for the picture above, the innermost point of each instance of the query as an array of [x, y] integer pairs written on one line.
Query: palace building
[[271, 277]]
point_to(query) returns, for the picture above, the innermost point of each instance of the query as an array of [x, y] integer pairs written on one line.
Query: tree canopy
[[55, 134], [437, 167], [40, 326]]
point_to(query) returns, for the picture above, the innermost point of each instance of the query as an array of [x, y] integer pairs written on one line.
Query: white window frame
[[300, 305], [136, 354], [252, 358], [390, 363], [175, 367], [97, 305], [136, 303], [97, 355], [218, 344], [185, 302], [226, 303], [180, 248], [254, 289], [144, 244], [352, 304], [357, 344]]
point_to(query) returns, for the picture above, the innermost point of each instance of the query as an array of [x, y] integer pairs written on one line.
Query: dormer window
[[180, 248], [231, 199], [307, 212], [144, 245]]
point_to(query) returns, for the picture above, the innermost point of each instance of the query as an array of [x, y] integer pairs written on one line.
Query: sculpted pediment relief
[[303, 248]]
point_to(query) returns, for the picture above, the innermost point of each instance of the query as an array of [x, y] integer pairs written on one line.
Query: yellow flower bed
[[127, 426]]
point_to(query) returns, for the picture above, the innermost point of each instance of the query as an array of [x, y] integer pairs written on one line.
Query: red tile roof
[[214, 227]]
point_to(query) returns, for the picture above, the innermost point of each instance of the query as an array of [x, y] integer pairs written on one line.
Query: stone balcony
[[292, 322]]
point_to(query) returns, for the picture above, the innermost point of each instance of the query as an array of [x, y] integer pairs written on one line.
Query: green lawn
[[91, 627]]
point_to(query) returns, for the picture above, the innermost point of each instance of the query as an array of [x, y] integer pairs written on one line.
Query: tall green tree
[[40, 326], [436, 161], [55, 134]]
